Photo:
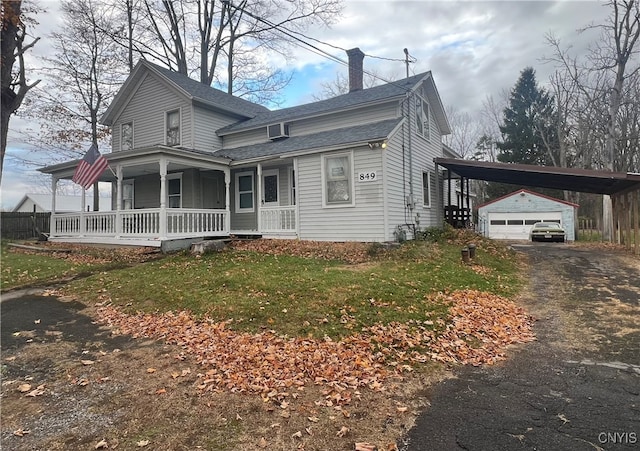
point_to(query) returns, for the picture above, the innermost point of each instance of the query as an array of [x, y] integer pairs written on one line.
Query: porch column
[[259, 197], [163, 198], [227, 200], [297, 195], [118, 201], [83, 203], [52, 220]]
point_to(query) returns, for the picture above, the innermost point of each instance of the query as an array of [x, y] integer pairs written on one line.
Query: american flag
[[90, 168]]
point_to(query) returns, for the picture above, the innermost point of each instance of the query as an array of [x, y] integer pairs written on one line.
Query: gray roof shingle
[[336, 137], [381, 92], [207, 94]]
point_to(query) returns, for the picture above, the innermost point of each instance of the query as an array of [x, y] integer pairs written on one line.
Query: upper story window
[[338, 179], [422, 117], [173, 128], [126, 136]]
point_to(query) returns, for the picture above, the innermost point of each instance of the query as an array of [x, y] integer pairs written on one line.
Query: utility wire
[[290, 33]]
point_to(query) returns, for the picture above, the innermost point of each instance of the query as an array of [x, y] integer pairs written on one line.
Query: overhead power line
[[318, 51]]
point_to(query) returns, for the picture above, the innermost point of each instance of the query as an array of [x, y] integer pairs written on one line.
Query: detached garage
[[510, 217]]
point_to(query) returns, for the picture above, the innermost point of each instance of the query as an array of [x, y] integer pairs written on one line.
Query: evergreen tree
[[529, 136], [528, 131]]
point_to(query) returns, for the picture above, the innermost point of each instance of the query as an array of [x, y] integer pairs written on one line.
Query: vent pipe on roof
[[356, 57]]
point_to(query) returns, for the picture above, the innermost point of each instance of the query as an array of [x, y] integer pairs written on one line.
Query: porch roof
[[66, 169], [355, 135]]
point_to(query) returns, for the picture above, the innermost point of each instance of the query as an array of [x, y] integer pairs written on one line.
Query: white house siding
[[423, 153], [353, 117], [245, 138], [525, 205], [205, 124], [147, 109], [363, 222]]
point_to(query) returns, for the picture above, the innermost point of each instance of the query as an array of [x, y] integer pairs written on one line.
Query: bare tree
[[465, 132], [601, 80], [14, 80], [224, 42], [84, 74]]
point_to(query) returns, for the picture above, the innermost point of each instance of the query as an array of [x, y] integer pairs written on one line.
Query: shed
[[510, 217], [42, 203]]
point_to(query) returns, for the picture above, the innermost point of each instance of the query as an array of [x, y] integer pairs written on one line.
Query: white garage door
[[516, 226]]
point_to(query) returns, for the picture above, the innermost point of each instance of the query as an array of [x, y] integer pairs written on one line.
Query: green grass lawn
[[304, 296], [20, 269]]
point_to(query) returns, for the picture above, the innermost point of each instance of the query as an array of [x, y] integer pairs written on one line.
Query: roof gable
[[530, 193], [191, 89]]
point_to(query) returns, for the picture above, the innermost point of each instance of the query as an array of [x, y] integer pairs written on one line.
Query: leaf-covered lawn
[[269, 287]]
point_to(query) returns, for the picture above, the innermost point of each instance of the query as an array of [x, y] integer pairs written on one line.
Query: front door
[[270, 188]]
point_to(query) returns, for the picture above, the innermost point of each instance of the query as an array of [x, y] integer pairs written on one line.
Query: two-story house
[[190, 161]]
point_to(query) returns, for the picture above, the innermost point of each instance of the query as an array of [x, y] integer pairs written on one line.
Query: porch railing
[[147, 223], [278, 219]]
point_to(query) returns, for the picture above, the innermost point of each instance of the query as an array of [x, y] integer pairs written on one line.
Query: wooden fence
[[23, 226]]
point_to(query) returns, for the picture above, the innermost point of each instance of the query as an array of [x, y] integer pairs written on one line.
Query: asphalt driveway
[[576, 388]]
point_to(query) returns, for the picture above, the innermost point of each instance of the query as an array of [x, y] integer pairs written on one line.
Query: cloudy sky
[[473, 48]]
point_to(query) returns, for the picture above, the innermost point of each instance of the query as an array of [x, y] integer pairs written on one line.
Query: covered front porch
[[166, 195]]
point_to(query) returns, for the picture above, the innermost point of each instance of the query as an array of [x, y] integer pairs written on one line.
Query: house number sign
[[367, 176]]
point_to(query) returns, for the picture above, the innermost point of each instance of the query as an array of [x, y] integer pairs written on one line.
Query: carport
[[624, 188]]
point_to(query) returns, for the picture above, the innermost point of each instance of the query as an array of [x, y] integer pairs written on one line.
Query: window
[[338, 180], [498, 222], [426, 189], [422, 117], [173, 128], [126, 136], [530, 221], [515, 222], [127, 195], [244, 192], [174, 190]]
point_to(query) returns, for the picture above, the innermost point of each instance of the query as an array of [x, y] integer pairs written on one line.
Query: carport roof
[[570, 179]]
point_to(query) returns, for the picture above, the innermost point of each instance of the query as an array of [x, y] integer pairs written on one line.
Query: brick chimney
[[355, 69]]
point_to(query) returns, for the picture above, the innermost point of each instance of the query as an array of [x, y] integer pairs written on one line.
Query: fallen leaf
[[263, 443], [297, 435], [36, 321], [362, 446], [285, 414], [313, 419], [37, 392], [143, 443], [238, 417], [151, 370], [308, 430], [402, 409], [342, 432], [87, 362], [21, 432], [392, 447], [22, 388], [101, 444], [160, 391], [10, 359]]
